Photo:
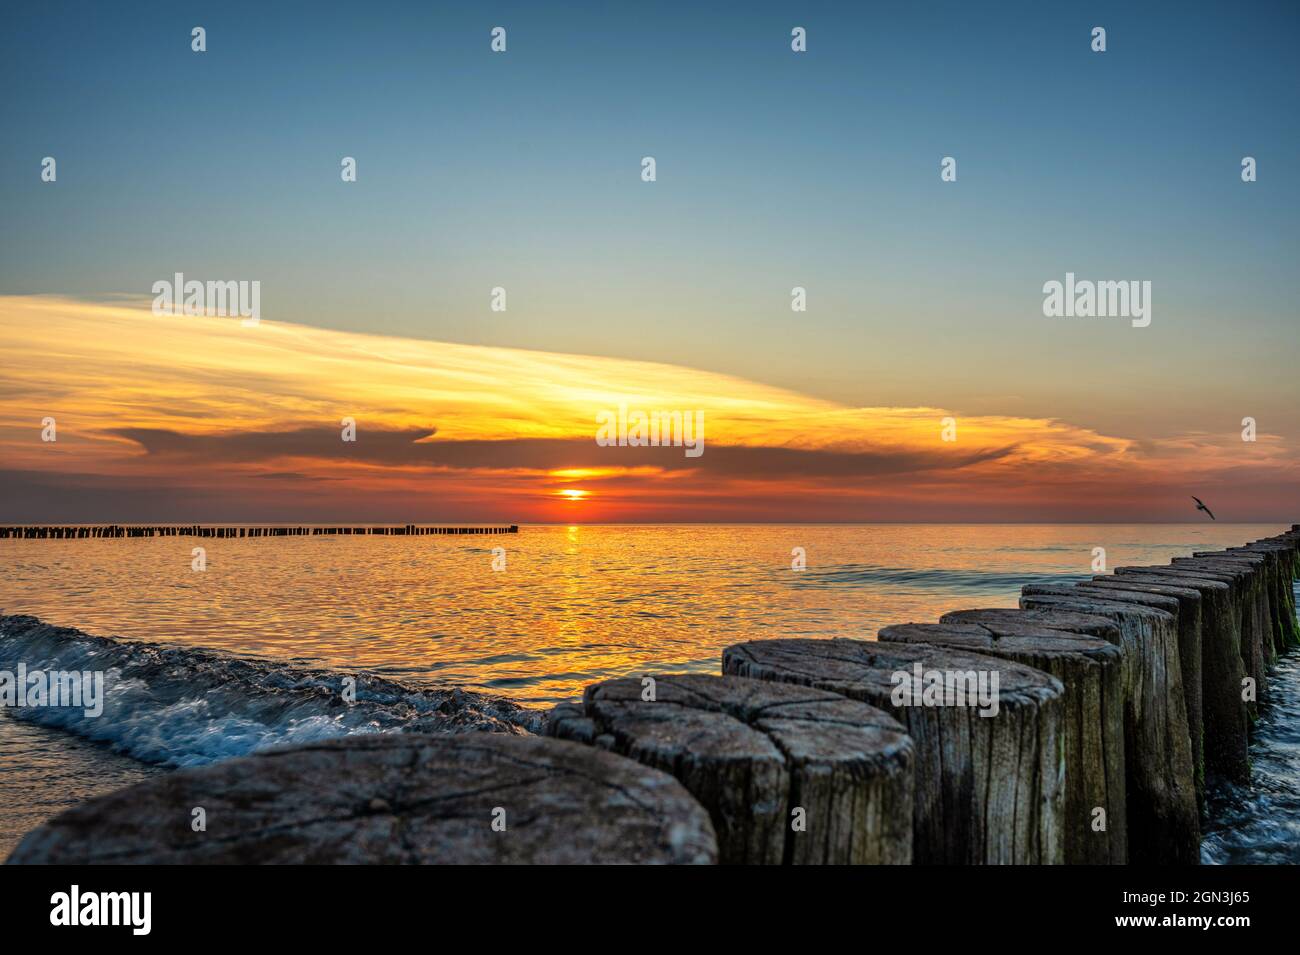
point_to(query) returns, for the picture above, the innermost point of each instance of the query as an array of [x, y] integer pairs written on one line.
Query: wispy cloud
[[222, 416]]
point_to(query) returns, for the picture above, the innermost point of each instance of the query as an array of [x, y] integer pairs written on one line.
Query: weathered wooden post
[[1244, 588], [988, 764], [788, 774], [1274, 570], [1261, 595], [1225, 719], [1163, 821], [1292, 541], [1286, 626], [1185, 605], [392, 798], [1095, 822], [1267, 564]]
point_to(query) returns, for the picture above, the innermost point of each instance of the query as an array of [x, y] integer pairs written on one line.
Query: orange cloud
[[175, 417]]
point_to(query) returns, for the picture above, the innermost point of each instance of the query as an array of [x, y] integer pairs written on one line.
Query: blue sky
[[775, 170]]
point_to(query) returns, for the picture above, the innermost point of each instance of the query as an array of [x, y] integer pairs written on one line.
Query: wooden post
[[1274, 570], [1268, 566], [1225, 719], [1185, 605], [788, 774], [1090, 670], [1261, 598], [478, 798], [1163, 822], [988, 787], [1287, 628], [1245, 593]]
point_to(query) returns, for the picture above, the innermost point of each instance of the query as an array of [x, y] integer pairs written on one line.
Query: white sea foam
[[179, 706]]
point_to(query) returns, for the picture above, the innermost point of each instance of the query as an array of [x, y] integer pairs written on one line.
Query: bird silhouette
[[1200, 506]]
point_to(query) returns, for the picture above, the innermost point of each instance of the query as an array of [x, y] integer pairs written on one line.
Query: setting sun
[[572, 493]]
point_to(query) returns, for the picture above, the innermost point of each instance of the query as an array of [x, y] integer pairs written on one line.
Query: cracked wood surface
[[391, 799], [1283, 571], [1242, 578], [754, 753], [988, 789], [1224, 718], [1287, 552], [1091, 670], [1163, 818], [1185, 605], [1266, 565]]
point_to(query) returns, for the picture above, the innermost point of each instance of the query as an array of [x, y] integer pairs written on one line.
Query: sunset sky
[[775, 170]]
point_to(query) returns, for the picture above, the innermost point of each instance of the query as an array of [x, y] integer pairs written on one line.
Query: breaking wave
[[180, 706]]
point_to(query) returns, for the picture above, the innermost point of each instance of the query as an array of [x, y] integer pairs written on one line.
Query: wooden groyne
[[1114, 700], [90, 531]]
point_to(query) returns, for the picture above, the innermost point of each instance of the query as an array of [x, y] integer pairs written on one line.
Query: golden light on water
[[579, 602]]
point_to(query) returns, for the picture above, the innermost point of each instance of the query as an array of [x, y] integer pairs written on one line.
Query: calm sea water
[[572, 606]]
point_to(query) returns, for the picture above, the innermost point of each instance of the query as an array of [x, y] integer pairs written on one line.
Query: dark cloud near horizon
[[28, 497], [73, 497], [408, 447]]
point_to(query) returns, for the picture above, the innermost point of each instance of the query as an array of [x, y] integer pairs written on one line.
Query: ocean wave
[[857, 575], [1259, 823], [185, 706]]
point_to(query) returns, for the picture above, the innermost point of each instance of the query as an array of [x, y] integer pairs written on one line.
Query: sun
[[572, 493]]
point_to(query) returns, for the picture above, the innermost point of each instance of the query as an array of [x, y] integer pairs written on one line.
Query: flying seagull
[[1200, 506]]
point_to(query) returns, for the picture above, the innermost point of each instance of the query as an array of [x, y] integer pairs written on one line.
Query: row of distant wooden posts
[[88, 531]]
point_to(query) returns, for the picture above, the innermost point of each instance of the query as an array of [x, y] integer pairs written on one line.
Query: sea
[[470, 633]]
